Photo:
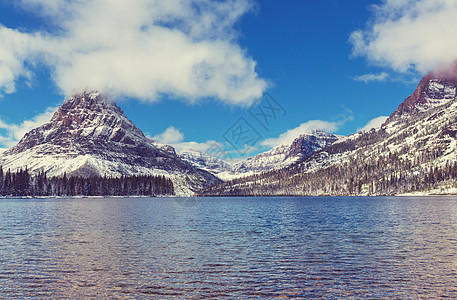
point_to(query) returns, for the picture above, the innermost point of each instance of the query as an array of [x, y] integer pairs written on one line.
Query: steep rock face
[[433, 90], [90, 135]]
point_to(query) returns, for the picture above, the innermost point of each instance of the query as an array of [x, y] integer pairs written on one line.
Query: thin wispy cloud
[[409, 36], [142, 49], [367, 78], [204, 147]]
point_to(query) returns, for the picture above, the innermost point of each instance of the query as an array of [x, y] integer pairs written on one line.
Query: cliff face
[[434, 89]]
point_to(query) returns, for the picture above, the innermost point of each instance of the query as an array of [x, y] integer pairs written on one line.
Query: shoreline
[[414, 194]]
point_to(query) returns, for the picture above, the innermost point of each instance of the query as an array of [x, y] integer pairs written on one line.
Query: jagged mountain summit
[[279, 157], [90, 135], [414, 152]]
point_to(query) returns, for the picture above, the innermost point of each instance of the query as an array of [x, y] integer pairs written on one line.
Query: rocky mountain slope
[[432, 91], [90, 135], [414, 151], [285, 155], [278, 157], [207, 162]]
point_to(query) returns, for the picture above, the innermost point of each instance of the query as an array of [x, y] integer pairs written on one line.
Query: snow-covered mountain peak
[[206, 161], [310, 142], [87, 117], [435, 89], [285, 155], [79, 103], [90, 109], [278, 157], [89, 135]]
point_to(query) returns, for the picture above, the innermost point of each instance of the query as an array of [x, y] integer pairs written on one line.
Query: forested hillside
[[416, 151]]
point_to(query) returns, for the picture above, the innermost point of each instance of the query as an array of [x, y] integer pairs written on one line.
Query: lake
[[325, 247]]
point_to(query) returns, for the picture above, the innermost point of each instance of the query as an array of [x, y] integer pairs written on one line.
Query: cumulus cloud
[[290, 135], [372, 77], [409, 35], [206, 147], [15, 132], [141, 48], [375, 123], [171, 135], [174, 137]]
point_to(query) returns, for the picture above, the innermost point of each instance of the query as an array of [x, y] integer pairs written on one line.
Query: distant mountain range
[[414, 151], [279, 157], [89, 135]]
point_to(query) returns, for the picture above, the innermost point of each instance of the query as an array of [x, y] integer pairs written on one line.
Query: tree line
[[385, 175], [22, 183]]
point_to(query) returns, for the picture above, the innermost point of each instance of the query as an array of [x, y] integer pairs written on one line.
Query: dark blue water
[[229, 247]]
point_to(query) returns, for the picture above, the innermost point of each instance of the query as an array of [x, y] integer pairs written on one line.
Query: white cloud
[[15, 132], [375, 123], [174, 137], [170, 136], [202, 147], [141, 49], [409, 35], [290, 135], [14, 47], [372, 77]]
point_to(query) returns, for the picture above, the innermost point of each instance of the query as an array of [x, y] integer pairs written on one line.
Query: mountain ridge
[[416, 151], [277, 157]]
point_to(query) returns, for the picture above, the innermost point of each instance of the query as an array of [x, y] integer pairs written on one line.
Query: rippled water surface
[[229, 247]]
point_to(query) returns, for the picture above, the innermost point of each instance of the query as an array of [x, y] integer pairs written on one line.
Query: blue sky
[[319, 59]]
